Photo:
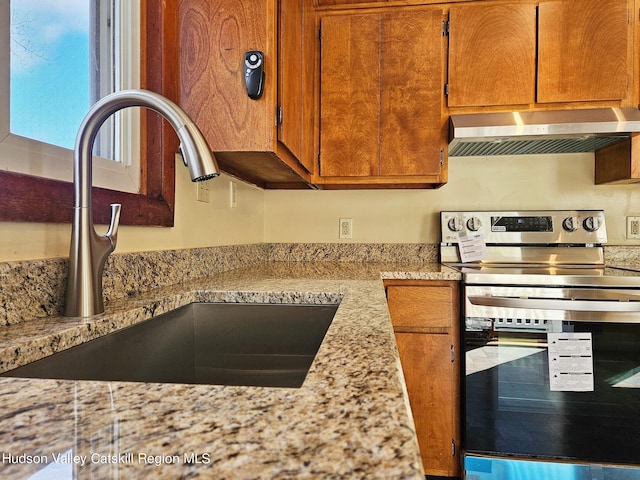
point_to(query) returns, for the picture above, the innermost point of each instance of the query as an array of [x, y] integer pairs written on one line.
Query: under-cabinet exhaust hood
[[540, 132]]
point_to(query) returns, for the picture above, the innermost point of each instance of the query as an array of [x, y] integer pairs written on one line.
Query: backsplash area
[[353, 252], [622, 256], [35, 288]]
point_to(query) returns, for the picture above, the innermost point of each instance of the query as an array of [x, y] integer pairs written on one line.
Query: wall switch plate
[[633, 227], [346, 228], [202, 192]]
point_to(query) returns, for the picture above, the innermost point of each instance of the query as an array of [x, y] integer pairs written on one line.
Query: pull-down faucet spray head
[[89, 251], [196, 154]]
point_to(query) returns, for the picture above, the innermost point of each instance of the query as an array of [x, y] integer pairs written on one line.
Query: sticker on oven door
[[472, 247], [570, 362]]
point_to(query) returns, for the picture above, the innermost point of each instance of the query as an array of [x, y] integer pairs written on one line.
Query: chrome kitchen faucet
[[89, 250]]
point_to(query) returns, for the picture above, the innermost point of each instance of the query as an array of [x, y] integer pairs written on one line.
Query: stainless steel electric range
[[551, 336]]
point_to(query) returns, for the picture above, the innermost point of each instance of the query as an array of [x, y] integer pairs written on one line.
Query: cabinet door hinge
[[453, 447], [278, 115], [453, 354], [445, 28], [441, 158], [446, 90]]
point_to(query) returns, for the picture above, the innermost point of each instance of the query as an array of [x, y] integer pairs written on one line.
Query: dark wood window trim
[[34, 199]]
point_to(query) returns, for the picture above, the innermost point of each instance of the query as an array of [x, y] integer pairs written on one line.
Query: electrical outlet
[[346, 228], [633, 227], [202, 192]]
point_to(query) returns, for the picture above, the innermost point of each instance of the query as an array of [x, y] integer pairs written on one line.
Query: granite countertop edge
[[350, 417]]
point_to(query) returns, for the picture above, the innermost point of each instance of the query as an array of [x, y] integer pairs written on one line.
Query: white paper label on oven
[[570, 362], [472, 247]]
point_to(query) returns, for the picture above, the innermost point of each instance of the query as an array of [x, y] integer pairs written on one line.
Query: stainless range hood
[[540, 132]]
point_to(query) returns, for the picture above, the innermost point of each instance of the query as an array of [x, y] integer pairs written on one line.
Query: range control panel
[[566, 227]]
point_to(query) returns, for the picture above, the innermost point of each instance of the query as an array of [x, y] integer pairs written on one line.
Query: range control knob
[[454, 224], [570, 224], [474, 224], [591, 224]]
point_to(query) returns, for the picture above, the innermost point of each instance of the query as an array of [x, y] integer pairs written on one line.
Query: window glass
[[64, 55], [50, 90]]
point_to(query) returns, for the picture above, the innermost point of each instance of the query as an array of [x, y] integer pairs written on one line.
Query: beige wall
[[521, 182], [404, 216], [197, 224]]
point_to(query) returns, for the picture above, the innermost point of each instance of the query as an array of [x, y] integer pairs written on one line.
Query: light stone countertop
[[350, 418]]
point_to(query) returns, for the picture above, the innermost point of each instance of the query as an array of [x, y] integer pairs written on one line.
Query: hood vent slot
[[528, 147], [540, 132]]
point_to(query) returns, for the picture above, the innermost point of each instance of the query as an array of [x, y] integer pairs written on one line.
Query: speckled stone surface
[[350, 418], [354, 252], [622, 257], [32, 289], [36, 288]]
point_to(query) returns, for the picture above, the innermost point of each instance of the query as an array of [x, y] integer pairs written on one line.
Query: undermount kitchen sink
[[269, 345]]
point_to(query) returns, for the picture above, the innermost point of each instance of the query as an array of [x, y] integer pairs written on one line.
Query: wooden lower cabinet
[[425, 316]]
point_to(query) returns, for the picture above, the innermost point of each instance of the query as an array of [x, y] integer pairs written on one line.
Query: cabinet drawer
[[414, 307]]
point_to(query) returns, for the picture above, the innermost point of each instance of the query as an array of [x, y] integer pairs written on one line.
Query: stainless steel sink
[[270, 345]]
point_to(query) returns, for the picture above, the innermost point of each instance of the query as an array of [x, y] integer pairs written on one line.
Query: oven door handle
[[568, 305]]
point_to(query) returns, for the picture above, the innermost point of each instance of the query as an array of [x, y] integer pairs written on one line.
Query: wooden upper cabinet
[[492, 54], [411, 103], [381, 97], [290, 73], [259, 140], [351, 3], [296, 75], [323, 3], [350, 95], [584, 50], [214, 37], [535, 53]]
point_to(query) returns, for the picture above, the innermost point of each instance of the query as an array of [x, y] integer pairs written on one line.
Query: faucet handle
[[112, 233]]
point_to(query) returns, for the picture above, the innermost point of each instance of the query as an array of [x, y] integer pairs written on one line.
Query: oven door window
[[510, 408]]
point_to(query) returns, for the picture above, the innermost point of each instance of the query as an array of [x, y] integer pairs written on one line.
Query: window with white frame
[[62, 57]]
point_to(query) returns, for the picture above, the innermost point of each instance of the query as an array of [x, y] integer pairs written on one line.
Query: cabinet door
[[424, 314], [428, 373], [411, 104], [381, 94], [492, 54], [245, 133], [350, 95], [584, 50], [347, 3], [214, 38], [296, 69], [290, 75], [323, 3]]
